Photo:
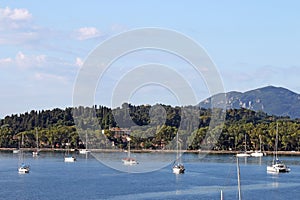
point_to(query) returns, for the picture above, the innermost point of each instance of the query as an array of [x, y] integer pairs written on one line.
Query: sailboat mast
[[177, 150], [37, 139], [239, 181], [245, 143], [86, 147], [22, 141], [259, 143], [129, 149], [276, 141]]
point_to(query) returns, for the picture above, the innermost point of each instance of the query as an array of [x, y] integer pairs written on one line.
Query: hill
[[271, 100]]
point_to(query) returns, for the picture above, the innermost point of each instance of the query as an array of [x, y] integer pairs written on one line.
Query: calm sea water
[[87, 178]]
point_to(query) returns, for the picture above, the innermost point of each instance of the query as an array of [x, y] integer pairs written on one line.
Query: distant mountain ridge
[[272, 100]]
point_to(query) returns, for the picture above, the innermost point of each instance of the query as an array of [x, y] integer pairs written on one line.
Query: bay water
[[90, 178]]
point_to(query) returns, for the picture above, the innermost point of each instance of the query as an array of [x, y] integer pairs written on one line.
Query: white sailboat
[[85, 151], [244, 154], [277, 165], [258, 153], [18, 149], [68, 157], [23, 168], [37, 151], [129, 160], [178, 167]]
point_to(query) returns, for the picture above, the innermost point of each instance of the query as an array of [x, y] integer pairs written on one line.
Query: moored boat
[[85, 151], [24, 169], [129, 160], [68, 157], [36, 151], [244, 154], [277, 165], [258, 153], [178, 167]]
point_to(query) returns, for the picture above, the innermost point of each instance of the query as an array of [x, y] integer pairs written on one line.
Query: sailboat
[[244, 154], [129, 160], [258, 153], [178, 167], [18, 149], [68, 157], [85, 151], [23, 168], [277, 165], [37, 151]]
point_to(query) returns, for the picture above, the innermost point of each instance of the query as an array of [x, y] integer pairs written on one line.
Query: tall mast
[[238, 175], [128, 139], [37, 139], [177, 150], [276, 141], [259, 143], [129, 149], [86, 147], [245, 143]]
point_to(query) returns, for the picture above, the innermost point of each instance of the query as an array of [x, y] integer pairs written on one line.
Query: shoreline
[[291, 153]]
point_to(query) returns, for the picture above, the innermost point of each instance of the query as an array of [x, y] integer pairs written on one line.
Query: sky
[[44, 45]]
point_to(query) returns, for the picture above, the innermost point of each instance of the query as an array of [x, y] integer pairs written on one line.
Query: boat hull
[[16, 151], [278, 168], [35, 153], [129, 161], [70, 159], [243, 155], [84, 151], [24, 169], [257, 154], [178, 169]]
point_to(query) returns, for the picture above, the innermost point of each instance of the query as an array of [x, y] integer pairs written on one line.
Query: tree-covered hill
[[57, 127]]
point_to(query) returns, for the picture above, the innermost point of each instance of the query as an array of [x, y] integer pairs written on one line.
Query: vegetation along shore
[[56, 130]]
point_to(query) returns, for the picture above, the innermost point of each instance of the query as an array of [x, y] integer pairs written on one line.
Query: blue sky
[[44, 44]]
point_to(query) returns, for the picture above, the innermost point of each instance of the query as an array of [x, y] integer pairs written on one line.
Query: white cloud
[[49, 77], [24, 61], [14, 18], [16, 26], [87, 33], [15, 14], [4, 61], [79, 62]]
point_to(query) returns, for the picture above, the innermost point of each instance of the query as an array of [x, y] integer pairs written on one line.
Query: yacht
[[178, 167], [277, 165], [129, 160], [36, 151], [24, 169], [85, 151], [68, 157], [258, 153], [244, 154]]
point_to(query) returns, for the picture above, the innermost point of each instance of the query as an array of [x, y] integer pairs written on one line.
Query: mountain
[[272, 100]]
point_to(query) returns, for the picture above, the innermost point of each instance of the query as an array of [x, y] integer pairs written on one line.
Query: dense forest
[[109, 128]]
